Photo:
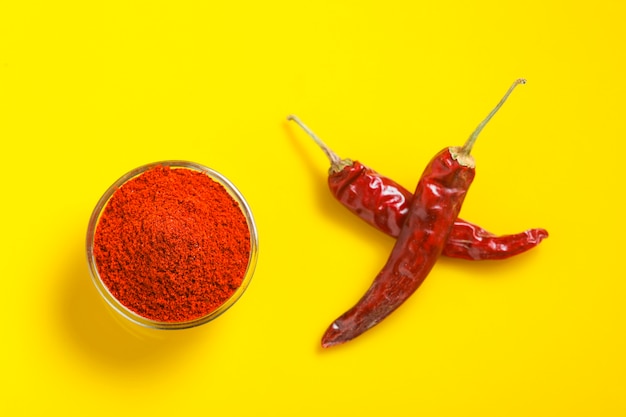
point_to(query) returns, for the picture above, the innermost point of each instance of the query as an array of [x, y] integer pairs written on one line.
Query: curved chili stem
[[335, 159], [467, 148]]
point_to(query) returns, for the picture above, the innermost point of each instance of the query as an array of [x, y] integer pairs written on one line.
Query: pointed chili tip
[[326, 345], [539, 234], [333, 336]]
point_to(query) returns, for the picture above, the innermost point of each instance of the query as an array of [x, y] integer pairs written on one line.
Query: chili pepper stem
[[336, 162], [467, 147]]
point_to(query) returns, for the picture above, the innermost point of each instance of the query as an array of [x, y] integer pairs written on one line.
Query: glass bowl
[[118, 306]]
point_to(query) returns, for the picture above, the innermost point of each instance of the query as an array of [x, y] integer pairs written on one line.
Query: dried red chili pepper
[[384, 204], [435, 206]]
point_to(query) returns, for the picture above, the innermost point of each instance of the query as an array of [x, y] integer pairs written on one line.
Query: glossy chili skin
[[384, 204], [471, 242], [428, 223]]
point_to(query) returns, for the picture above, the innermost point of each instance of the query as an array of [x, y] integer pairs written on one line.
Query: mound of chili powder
[[172, 245]]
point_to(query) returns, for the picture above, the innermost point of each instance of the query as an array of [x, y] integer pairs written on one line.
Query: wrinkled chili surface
[[384, 204], [435, 206]]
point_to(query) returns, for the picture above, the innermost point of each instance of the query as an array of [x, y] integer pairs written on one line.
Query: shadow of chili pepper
[[494, 270]]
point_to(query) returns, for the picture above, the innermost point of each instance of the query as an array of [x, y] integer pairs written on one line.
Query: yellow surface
[[90, 90]]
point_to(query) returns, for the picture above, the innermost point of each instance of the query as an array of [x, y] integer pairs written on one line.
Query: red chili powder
[[172, 245]]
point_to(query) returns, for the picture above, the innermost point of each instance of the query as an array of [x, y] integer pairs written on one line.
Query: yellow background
[[91, 90]]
